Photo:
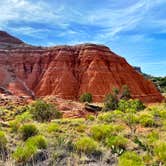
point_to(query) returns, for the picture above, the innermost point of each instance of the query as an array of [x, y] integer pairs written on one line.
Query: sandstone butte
[[68, 71]]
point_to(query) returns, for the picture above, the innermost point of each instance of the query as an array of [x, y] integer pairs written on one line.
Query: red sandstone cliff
[[68, 71]]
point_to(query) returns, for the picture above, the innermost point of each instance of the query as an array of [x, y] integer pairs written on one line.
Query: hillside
[[68, 71]]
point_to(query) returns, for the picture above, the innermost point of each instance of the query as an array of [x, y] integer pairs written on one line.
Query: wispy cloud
[[110, 21]]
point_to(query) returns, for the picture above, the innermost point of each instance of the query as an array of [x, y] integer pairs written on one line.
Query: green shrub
[[14, 124], [116, 142], [152, 138], [29, 149], [110, 102], [42, 111], [3, 140], [28, 130], [146, 120], [160, 151], [86, 144], [137, 105], [24, 117], [130, 159], [81, 128], [20, 119], [131, 120], [23, 154], [91, 117], [125, 93], [158, 111], [53, 127], [38, 141], [132, 104], [86, 97], [106, 117], [123, 105], [100, 132], [110, 116]]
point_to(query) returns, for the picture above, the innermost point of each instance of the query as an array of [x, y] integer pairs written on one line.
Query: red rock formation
[[69, 71]]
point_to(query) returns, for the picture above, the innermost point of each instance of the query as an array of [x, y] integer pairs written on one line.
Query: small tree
[[111, 101], [43, 111], [86, 97], [125, 93]]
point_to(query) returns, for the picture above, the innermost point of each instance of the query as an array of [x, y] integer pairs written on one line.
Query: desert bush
[[116, 142], [110, 102], [14, 124], [29, 149], [125, 93], [28, 130], [160, 151], [23, 154], [90, 117], [24, 117], [158, 111], [86, 97], [131, 120], [39, 141], [86, 145], [146, 120], [106, 117], [42, 111], [123, 105], [152, 137], [113, 101], [130, 159], [100, 132], [110, 116], [3, 140], [81, 128], [135, 104], [20, 119], [53, 127]]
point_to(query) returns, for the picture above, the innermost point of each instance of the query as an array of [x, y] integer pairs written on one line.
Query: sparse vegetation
[[130, 135]]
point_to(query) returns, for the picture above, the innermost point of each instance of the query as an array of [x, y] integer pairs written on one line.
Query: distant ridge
[[7, 38]]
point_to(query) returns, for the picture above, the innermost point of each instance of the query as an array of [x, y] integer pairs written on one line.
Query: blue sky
[[134, 29]]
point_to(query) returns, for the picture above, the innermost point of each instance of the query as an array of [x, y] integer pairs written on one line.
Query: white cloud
[[110, 21], [29, 12]]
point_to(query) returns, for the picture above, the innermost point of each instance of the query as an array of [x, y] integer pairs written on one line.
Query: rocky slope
[[68, 71]]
